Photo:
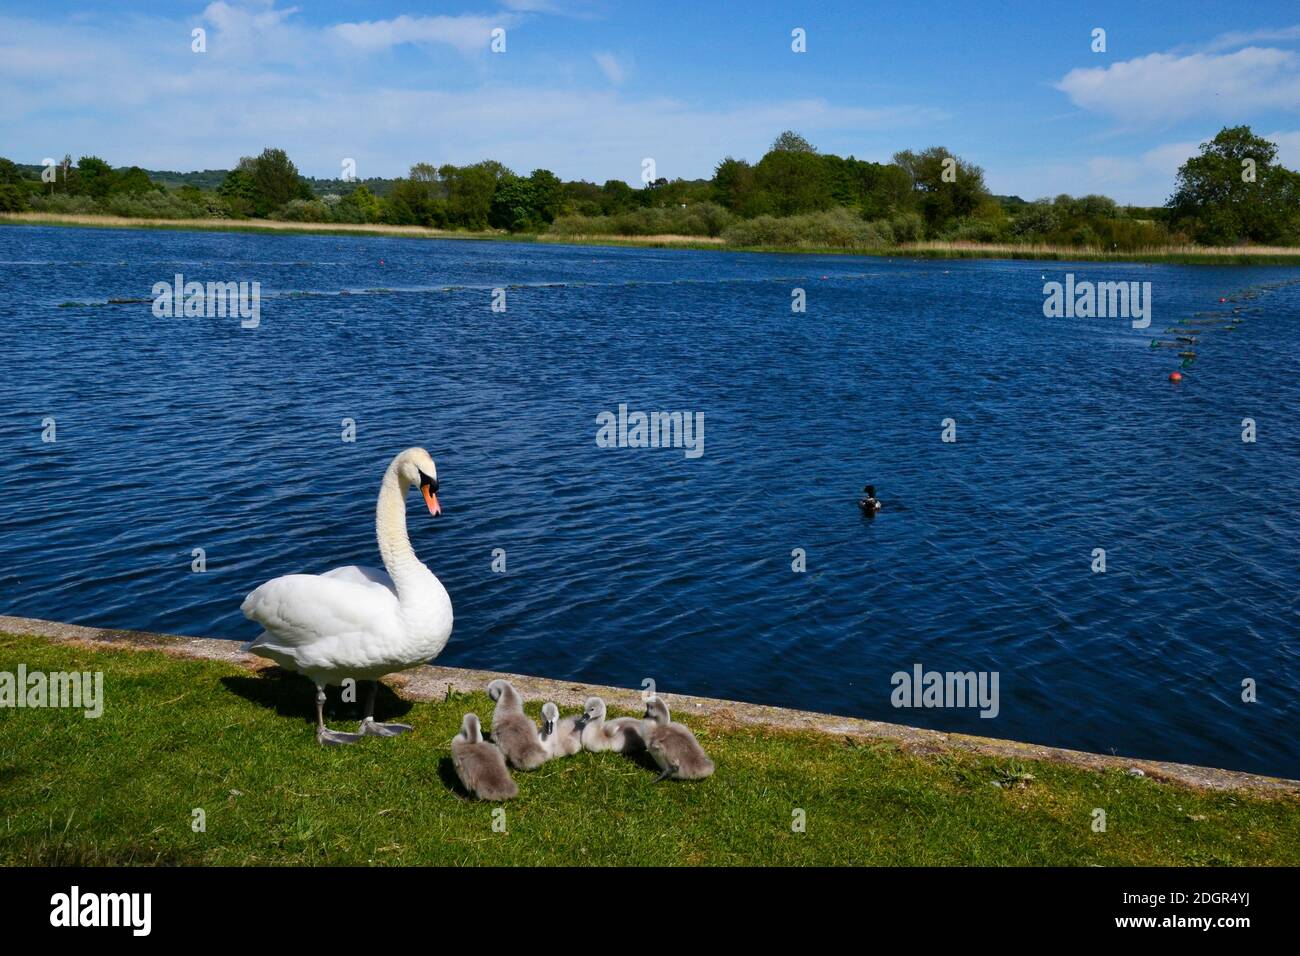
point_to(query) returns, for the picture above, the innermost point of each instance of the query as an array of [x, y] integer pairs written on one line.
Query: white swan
[[360, 622]]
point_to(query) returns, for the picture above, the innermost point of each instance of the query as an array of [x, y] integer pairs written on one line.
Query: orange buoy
[[1175, 376]]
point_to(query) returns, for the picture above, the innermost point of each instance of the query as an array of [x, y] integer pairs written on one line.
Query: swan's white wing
[[362, 575], [316, 623]]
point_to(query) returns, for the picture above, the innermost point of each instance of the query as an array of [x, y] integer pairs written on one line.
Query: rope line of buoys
[[1186, 336]]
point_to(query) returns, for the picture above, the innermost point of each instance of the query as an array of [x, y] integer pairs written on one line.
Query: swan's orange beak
[[431, 500]]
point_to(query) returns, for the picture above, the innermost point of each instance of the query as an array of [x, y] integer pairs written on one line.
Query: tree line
[[1233, 191]]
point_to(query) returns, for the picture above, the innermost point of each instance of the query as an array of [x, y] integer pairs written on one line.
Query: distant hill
[[209, 179], [323, 187], [205, 179]]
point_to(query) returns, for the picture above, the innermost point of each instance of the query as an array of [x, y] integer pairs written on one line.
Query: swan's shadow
[[451, 780], [292, 695], [641, 757]]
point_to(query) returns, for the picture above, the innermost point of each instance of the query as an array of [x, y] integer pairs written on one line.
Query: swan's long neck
[[394, 543]]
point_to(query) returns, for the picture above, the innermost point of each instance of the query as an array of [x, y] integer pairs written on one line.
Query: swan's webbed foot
[[668, 774], [327, 737], [370, 728]]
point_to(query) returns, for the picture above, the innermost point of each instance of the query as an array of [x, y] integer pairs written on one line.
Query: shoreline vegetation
[[1187, 254], [239, 740], [1231, 203]]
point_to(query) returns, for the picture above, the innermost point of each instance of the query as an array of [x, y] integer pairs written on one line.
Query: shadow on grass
[[292, 695], [83, 851], [447, 773], [641, 758]]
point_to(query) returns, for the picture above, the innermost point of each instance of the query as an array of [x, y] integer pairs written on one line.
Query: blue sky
[[588, 88]]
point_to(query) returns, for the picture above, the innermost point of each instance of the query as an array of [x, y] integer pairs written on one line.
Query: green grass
[[183, 734]]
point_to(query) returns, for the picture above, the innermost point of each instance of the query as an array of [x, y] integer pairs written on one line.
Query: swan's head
[[550, 717], [415, 466], [656, 710], [496, 689], [594, 709], [470, 730]]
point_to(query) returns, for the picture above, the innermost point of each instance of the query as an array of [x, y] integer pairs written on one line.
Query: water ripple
[[179, 434]]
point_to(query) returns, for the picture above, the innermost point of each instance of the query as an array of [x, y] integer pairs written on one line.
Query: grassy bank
[[243, 225], [180, 734], [1181, 255]]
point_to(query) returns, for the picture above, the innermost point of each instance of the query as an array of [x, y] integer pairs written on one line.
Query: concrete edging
[[430, 682]]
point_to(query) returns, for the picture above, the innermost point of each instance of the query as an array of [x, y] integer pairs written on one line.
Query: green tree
[[520, 204], [360, 205], [13, 198], [791, 182], [734, 185], [581, 197], [237, 191], [1218, 200], [421, 198], [512, 205], [427, 174], [946, 187], [791, 142], [135, 182], [875, 190], [275, 181], [397, 212], [470, 190], [791, 178], [548, 195], [617, 196], [94, 178], [10, 174], [1036, 220]]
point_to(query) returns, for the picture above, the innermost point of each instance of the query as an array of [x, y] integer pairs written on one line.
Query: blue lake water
[[626, 563]]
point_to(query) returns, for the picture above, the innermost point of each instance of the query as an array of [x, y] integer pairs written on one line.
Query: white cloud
[[1229, 41], [1107, 173], [241, 22], [260, 34], [466, 33], [610, 66], [1142, 179], [1288, 148], [1165, 87]]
